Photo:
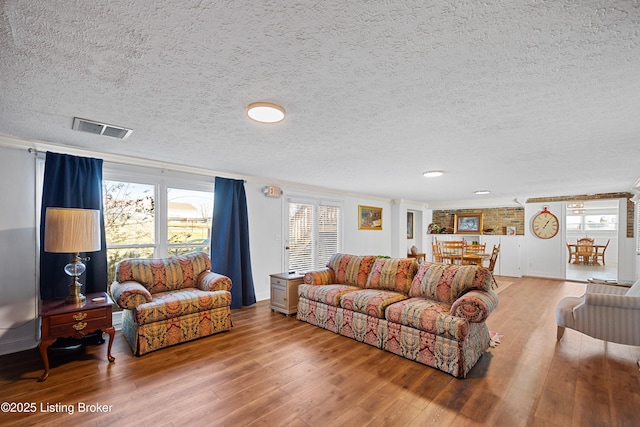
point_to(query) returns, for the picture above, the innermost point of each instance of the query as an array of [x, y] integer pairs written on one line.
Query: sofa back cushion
[[351, 270], [446, 283], [164, 274], [392, 274]]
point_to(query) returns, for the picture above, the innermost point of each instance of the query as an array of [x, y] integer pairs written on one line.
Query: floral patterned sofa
[[167, 301], [431, 313]]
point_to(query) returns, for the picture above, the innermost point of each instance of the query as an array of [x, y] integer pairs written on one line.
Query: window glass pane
[[129, 213], [189, 216], [301, 237], [574, 222], [601, 222]]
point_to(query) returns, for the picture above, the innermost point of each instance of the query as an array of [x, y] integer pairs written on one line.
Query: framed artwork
[[409, 225], [369, 218], [470, 224]]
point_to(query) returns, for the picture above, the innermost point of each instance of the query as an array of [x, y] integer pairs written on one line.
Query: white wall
[[19, 295]]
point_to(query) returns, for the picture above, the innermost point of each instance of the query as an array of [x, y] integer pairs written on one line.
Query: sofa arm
[[129, 295], [609, 300], [320, 277], [601, 288], [475, 306], [210, 281]]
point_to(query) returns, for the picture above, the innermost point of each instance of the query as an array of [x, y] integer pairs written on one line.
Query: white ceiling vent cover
[[96, 128]]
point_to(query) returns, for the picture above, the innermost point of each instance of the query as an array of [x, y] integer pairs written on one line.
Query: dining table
[[574, 247], [469, 257]]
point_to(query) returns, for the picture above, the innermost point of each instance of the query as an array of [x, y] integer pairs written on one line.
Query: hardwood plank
[[273, 370]]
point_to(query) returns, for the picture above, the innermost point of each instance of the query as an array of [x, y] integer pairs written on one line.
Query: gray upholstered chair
[[607, 312]]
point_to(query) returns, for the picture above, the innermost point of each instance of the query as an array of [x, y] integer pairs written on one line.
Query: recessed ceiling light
[[480, 192], [265, 112], [432, 174]]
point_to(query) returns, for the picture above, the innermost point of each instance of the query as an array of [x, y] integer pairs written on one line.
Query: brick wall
[[495, 219]]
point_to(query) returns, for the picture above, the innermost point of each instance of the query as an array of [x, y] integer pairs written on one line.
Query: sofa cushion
[[446, 282], [351, 270], [164, 274], [171, 304], [327, 294], [392, 274], [372, 302], [429, 316]]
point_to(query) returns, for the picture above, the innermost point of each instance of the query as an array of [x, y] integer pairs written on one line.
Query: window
[[314, 234], [129, 220], [148, 215], [189, 216]]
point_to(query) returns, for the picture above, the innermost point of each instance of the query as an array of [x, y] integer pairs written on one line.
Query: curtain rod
[[36, 152]]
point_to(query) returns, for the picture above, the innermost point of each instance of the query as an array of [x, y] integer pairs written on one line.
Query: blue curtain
[[230, 240], [71, 182]]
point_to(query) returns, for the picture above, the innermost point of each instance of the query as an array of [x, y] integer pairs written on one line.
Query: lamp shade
[[70, 230]]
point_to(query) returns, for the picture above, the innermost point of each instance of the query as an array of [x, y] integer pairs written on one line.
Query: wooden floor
[[274, 370]]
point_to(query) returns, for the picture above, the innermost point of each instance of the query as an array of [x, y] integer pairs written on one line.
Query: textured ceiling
[[524, 98]]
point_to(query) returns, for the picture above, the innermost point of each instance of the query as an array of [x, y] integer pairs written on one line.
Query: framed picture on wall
[[409, 225], [469, 224], [369, 218]]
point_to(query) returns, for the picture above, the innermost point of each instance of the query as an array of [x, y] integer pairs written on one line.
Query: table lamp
[[70, 230]]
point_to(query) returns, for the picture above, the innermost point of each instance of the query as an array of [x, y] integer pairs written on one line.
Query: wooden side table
[[284, 292], [60, 320], [420, 257]]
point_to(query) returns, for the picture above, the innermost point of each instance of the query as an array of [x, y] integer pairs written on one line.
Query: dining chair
[[599, 253], [437, 255], [452, 251], [585, 250], [572, 253], [492, 262], [475, 247]]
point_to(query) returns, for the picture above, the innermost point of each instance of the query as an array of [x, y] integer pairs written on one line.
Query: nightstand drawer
[[79, 328], [79, 316], [278, 281]]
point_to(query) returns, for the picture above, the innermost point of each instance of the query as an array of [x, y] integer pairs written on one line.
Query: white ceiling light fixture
[[481, 192], [265, 112], [432, 174]]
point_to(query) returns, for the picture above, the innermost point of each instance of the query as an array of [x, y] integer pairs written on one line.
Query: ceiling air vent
[[96, 128]]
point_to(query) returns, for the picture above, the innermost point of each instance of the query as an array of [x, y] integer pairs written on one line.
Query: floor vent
[[96, 128]]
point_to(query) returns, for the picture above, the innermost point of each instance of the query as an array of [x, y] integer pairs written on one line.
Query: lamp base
[[74, 269], [75, 299]]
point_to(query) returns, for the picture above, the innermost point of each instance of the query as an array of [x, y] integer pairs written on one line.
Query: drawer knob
[[80, 326], [80, 316]]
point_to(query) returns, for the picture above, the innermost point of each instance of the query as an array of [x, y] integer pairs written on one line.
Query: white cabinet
[[284, 292]]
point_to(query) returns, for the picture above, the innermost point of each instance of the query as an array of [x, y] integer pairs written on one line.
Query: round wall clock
[[545, 224]]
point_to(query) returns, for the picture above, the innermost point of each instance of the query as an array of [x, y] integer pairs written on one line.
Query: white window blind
[[637, 230], [328, 233], [300, 245], [315, 234]]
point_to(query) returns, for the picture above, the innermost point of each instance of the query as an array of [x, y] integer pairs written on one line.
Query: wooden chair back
[[477, 248], [599, 254], [493, 258], [452, 251]]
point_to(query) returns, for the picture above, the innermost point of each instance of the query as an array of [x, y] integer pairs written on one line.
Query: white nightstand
[[284, 292]]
